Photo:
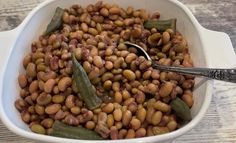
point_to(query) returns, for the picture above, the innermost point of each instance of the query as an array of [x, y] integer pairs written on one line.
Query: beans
[[33, 86], [36, 128], [114, 10], [156, 118], [116, 86], [172, 125], [159, 130], [126, 117], [22, 80], [25, 116], [163, 107], [165, 37], [108, 108], [114, 133], [110, 120], [52, 109], [118, 97], [58, 98], [90, 125], [130, 75], [44, 99], [118, 114], [150, 112], [47, 123], [70, 101], [130, 134], [188, 99], [64, 83], [152, 88], [130, 57], [93, 31], [107, 76], [135, 124], [97, 61], [166, 89], [141, 114], [49, 84], [39, 109], [31, 70], [141, 132], [104, 12], [108, 65]]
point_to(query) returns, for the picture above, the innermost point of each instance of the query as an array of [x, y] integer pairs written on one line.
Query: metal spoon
[[228, 75]]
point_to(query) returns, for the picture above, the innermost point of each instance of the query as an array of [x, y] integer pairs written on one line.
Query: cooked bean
[[39, 109], [141, 132], [108, 108], [188, 99], [172, 125], [117, 114], [108, 65], [114, 133], [22, 80], [70, 101], [135, 124], [52, 109], [75, 110], [110, 120], [114, 10], [64, 83], [130, 75], [126, 117], [107, 76], [118, 125], [166, 89], [58, 98], [116, 86], [33, 86], [97, 61], [150, 112], [159, 130], [25, 116], [31, 70], [38, 129], [47, 123], [130, 134], [49, 84], [163, 107], [104, 12], [90, 125], [141, 114], [130, 57], [156, 118], [122, 133]]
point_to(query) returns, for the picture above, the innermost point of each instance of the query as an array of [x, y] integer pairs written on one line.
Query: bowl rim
[[164, 137]]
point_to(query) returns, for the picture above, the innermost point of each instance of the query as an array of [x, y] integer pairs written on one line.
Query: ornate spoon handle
[[228, 75]]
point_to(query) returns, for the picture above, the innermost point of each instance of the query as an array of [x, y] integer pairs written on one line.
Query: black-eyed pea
[[156, 118], [141, 132], [104, 12], [110, 120], [117, 114], [113, 133], [90, 125], [141, 114], [188, 99], [31, 70], [114, 11], [130, 134], [166, 89], [70, 101], [97, 61], [172, 125], [75, 110], [108, 65], [130, 75], [64, 83], [159, 130], [25, 116], [125, 94], [108, 108], [135, 123], [37, 128], [39, 109], [150, 112], [126, 117], [33, 86], [48, 85], [161, 106], [47, 123], [52, 109], [44, 99], [22, 80], [116, 86], [118, 97]]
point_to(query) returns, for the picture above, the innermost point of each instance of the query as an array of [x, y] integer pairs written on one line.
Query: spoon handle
[[228, 75]]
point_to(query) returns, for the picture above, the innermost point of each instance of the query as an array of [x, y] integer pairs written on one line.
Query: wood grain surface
[[219, 124]]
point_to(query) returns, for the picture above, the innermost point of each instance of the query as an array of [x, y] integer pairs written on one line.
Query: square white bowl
[[205, 49]]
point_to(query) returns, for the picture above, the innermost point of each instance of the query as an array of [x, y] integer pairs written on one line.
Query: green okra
[[181, 109], [161, 25], [62, 130], [85, 87], [56, 21]]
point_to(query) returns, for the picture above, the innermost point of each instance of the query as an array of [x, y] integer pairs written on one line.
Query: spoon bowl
[[228, 75]]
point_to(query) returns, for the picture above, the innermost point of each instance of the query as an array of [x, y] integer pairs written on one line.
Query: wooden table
[[219, 124]]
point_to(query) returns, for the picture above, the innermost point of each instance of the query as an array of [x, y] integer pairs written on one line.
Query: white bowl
[[207, 48]]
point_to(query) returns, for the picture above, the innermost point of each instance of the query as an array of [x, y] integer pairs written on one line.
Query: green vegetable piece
[[56, 21], [161, 25], [62, 130], [85, 87], [181, 109]]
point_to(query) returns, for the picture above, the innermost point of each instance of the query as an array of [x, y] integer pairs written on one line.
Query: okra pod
[[62, 130], [161, 25], [85, 87], [56, 21], [181, 109]]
